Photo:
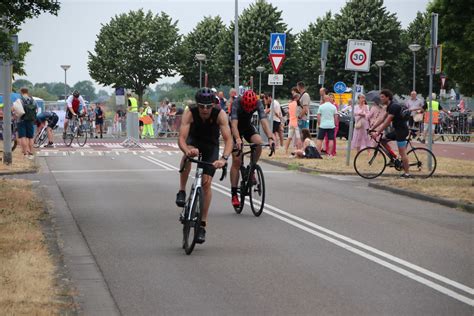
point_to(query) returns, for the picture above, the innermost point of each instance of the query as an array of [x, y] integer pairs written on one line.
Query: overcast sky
[[66, 38]]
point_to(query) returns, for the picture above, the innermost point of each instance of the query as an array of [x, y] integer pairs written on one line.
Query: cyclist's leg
[[257, 139], [183, 176], [401, 137], [234, 170], [210, 153]]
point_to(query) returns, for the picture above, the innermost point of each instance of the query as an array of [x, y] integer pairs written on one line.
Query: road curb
[[344, 173], [420, 196], [93, 294], [2, 173]]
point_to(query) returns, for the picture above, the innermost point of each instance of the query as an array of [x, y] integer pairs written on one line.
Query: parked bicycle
[[252, 182], [77, 130], [370, 162], [191, 215]]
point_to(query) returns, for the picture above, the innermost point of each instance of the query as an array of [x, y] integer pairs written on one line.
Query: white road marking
[[108, 170], [82, 153], [117, 153], [150, 159], [224, 190]]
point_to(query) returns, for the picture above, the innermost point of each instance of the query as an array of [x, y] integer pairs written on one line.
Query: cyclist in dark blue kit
[[47, 117]]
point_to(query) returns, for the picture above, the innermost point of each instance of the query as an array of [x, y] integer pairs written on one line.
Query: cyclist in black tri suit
[[199, 134], [241, 115], [394, 116]]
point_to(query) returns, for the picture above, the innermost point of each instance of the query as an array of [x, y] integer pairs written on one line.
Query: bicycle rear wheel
[[257, 191], [81, 136], [418, 158], [192, 222], [370, 162], [242, 190]]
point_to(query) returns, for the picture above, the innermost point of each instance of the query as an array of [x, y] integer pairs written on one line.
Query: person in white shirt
[[277, 118]]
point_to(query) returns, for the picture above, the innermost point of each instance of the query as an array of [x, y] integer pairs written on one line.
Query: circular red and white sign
[[358, 57]]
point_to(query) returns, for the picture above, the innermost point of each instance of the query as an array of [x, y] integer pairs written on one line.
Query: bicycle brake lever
[[272, 150], [224, 172]]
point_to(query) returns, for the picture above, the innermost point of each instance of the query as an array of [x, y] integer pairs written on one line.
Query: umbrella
[[373, 96]]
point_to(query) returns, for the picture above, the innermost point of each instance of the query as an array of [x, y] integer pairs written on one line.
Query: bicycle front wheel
[[81, 136], [241, 190], [419, 162], [257, 191], [370, 162], [192, 222], [40, 138]]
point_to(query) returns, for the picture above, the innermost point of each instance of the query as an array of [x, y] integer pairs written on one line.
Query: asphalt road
[[323, 246]]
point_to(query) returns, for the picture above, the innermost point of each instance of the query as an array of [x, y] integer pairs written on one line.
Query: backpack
[[312, 152], [30, 109]]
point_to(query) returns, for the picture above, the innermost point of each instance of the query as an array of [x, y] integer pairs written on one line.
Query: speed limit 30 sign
[[358, 55]]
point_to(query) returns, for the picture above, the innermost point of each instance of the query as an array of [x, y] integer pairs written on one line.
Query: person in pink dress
[[326, 141], [360, 137], [376, 113]]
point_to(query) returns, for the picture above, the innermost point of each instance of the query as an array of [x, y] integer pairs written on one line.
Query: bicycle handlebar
[[253, 146], [224, 169]]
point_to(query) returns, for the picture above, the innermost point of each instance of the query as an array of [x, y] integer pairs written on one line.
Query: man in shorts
[[327, 118], [393, 116], [199, 134], [49, 118]]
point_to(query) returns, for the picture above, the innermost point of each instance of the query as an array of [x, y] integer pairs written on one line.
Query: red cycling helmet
[[249, 101]]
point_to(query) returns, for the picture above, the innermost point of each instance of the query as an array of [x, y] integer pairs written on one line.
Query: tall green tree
[[366, 20], [12, 14], [255, 25], [134, 50], [203, 39], [20, 83], [417, 32], [309, 52], [456, 34], [86, 89]]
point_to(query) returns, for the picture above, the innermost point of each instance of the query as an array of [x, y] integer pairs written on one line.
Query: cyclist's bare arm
[[379, 121], [385, 123], [183, 135], [235, 132]]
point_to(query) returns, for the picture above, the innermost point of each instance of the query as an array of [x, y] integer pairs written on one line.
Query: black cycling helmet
[[205, 96], [76, 94]]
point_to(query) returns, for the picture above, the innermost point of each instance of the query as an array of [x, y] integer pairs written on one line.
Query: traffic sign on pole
[[275, 80], [340, 87], [358, 55], [277, 61], [277, 43]]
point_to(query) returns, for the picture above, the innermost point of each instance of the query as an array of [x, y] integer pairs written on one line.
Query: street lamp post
[[65, 68], [200, 58], [380, 64], [414, 48], [260, 69]]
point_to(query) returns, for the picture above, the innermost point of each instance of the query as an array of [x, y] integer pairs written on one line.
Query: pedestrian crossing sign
[[277, 43]]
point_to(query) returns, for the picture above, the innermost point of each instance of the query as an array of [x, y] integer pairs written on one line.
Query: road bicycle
[[370, 162], [252, 182], [42, 136], [14, 140], [77, 130], [192, 211]]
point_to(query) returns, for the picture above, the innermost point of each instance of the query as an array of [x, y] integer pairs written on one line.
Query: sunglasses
[[205, 106]]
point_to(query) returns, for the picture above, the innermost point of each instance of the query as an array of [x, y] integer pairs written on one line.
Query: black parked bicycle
[[191, 215], [252, 182], [370, 162]]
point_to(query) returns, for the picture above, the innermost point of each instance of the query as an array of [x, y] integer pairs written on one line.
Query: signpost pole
[[351, 123], [431, 61]]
